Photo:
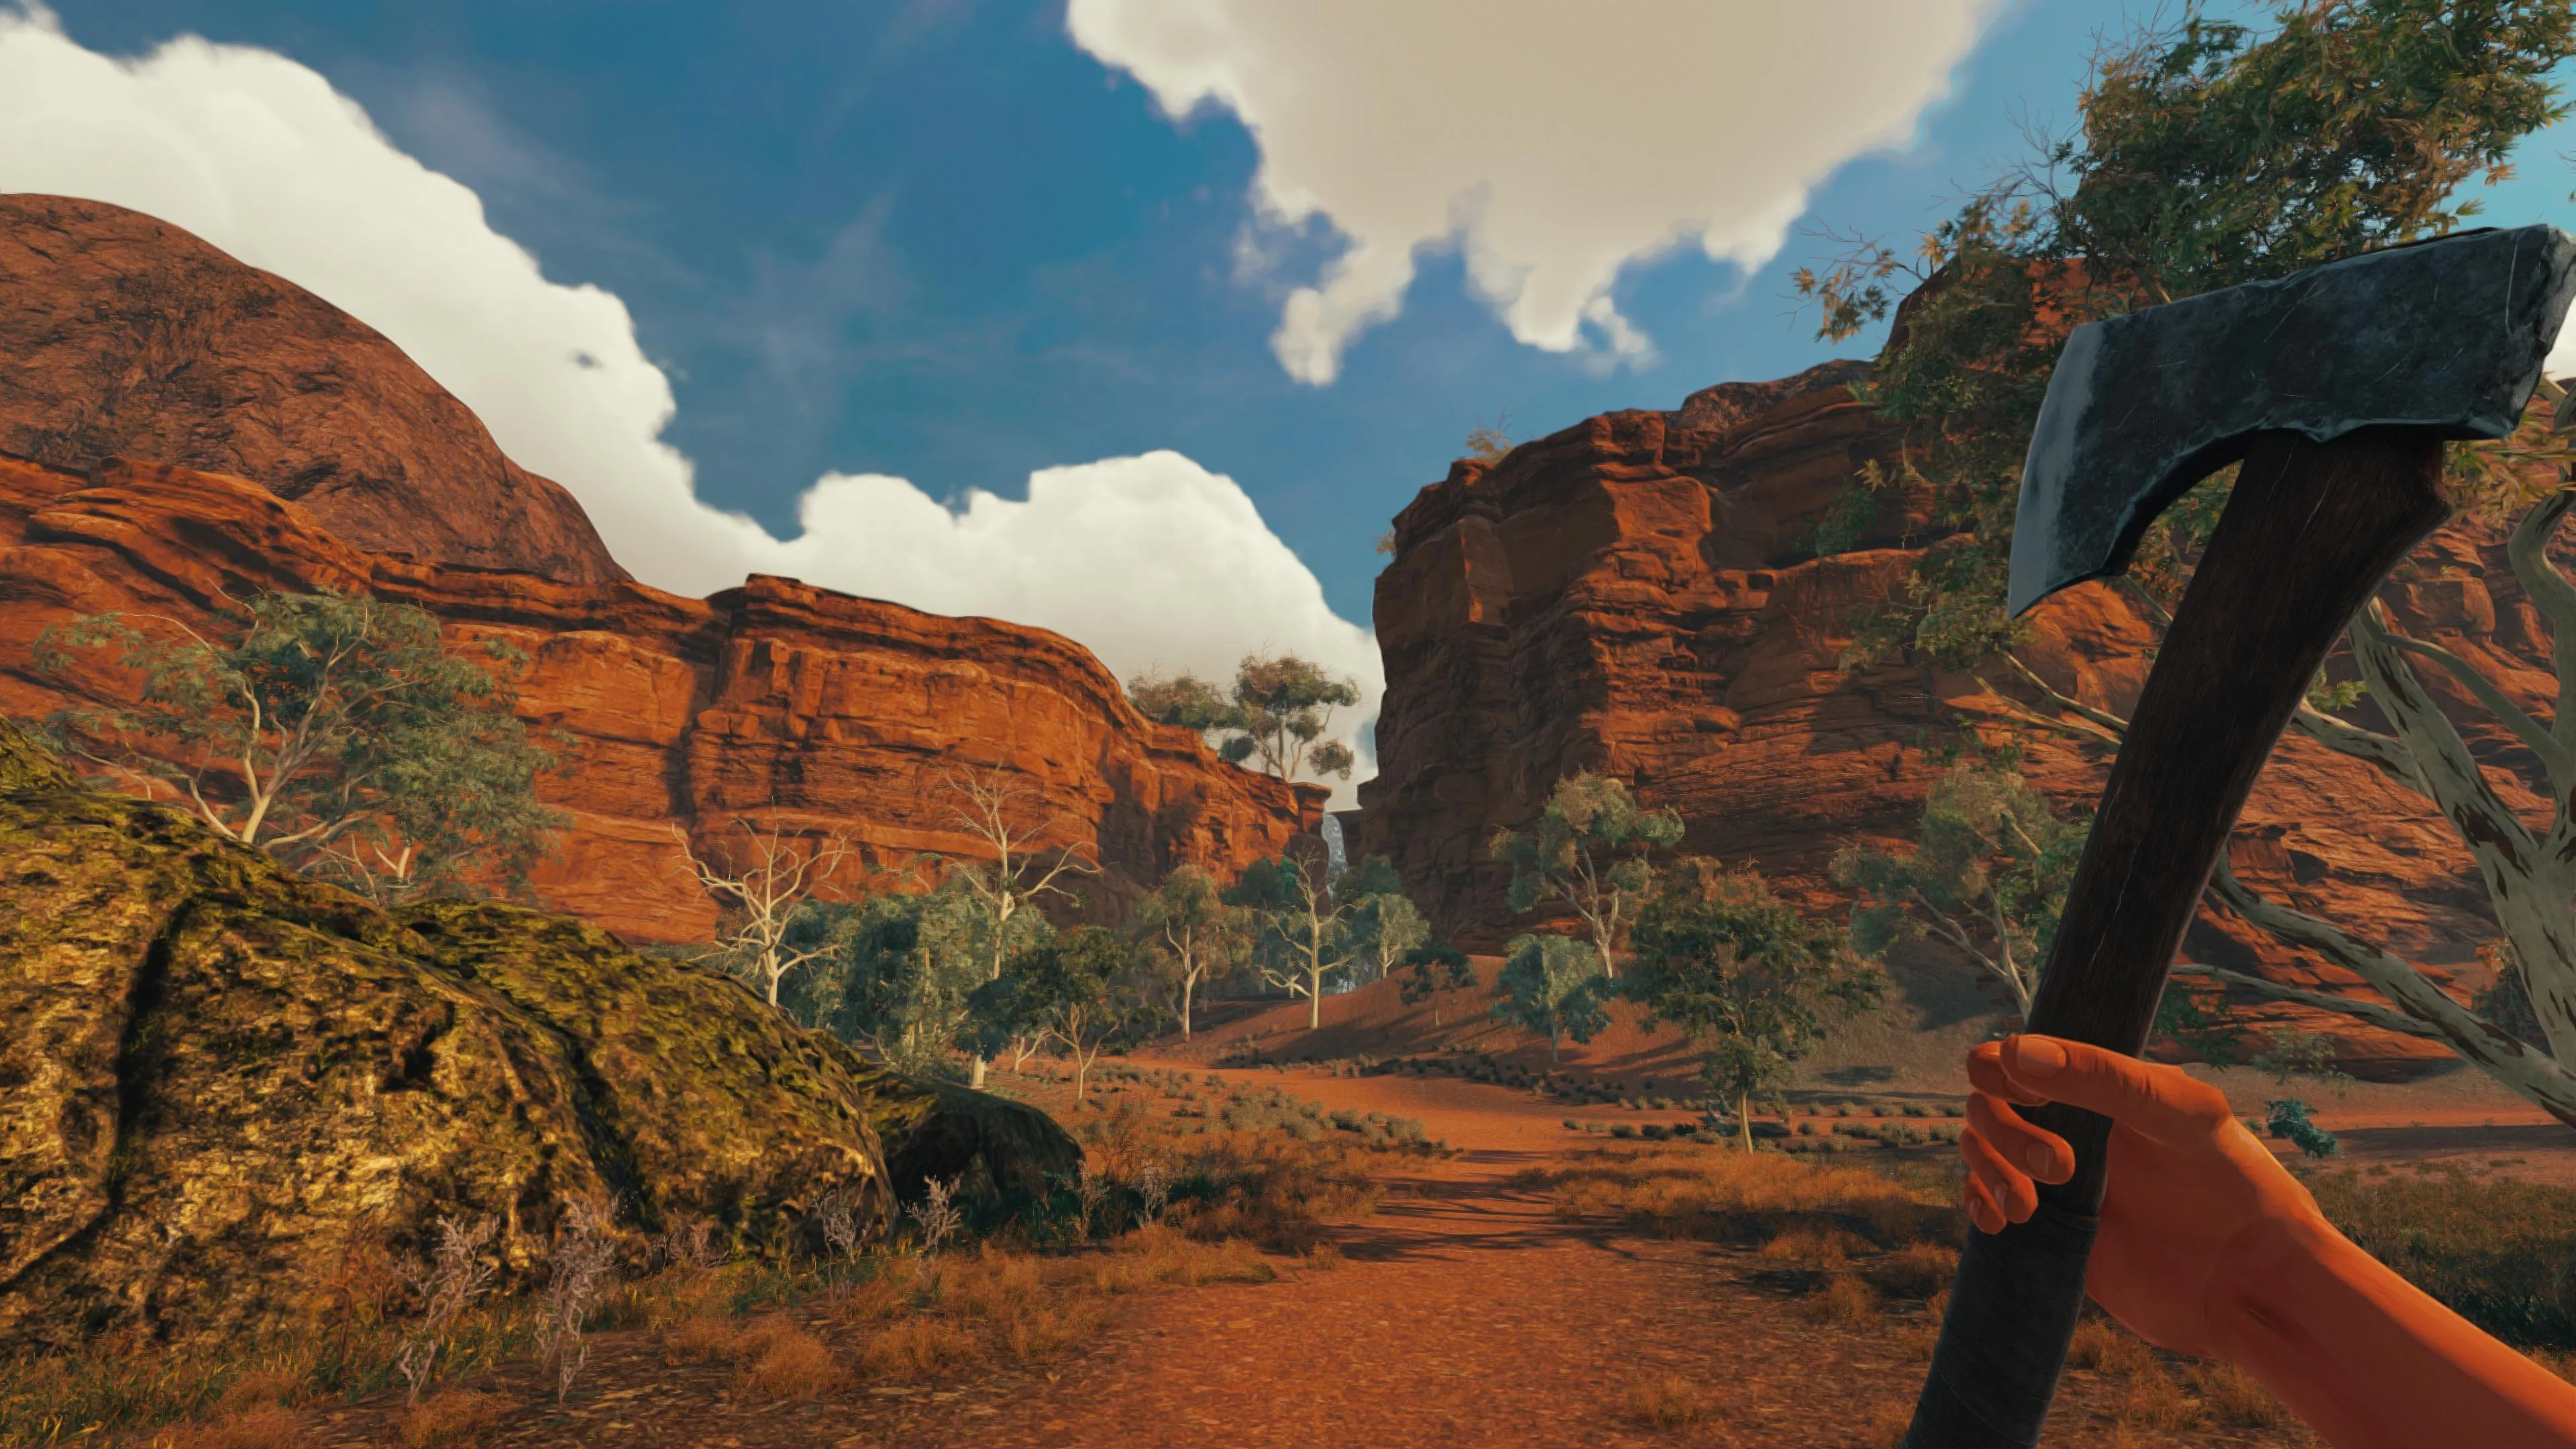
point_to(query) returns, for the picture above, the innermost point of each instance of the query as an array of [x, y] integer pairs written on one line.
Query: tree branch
[[2386, 753], [2553, 757], [2378, 1014]]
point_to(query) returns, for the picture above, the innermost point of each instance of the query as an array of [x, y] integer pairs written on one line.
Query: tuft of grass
[[450, 1416], [2235, 1398], [916, 1349], [2153, 1400], [1815, 1247], [788, 1363], [2110, 1350], [700, 1339], [1917, 1270], [1667, 1401], [1845, 1300]]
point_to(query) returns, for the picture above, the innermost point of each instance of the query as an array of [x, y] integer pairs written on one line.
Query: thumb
[[2160, 1102]]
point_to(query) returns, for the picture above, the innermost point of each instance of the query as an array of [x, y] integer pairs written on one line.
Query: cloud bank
[[1553, 142], [1151, 562]]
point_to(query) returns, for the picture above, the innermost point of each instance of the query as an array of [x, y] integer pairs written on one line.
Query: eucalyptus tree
[[1590, 848]]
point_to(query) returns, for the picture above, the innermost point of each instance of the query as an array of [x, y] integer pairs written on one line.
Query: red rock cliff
[[776, 701], [127, 336], [1635, 595]]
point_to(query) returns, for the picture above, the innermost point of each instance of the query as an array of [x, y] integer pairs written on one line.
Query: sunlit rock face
[[1638, 595]]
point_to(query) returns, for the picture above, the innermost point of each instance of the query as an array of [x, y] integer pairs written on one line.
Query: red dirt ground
[[1464, 1312]]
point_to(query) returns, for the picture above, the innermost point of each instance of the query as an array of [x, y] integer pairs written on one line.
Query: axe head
[[2446, 335]]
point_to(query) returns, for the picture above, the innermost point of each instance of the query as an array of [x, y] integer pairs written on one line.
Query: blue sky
[[939, 241]]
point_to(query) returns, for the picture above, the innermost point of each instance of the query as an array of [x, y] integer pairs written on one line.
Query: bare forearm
[[2372, 1362]]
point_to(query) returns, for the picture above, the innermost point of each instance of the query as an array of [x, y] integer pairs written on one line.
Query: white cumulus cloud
[[1151, 562], [1553, 142]]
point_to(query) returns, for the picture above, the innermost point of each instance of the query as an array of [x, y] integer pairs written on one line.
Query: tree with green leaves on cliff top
[[1591, 849], [339, 733], [1743, 974], [2211, 156], [1276, 712], [2207, 156], [1552, 986]]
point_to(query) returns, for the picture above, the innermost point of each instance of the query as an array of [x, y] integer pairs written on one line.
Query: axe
[[2336, 387]]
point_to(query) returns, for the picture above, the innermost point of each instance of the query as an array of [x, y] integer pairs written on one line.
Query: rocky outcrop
[[127, 336], [1638, 595], [222, 1084], [776, 703]]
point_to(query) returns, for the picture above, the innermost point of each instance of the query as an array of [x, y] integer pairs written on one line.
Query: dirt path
[[1464, 1311]]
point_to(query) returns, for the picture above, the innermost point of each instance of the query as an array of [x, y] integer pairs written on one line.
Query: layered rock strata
[[775, 705], [1639, 595]]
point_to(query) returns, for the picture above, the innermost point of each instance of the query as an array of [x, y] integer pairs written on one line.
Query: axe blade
[[2446, 335]]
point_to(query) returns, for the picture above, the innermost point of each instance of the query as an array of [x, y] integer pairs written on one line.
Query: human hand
[[2194, 1209]]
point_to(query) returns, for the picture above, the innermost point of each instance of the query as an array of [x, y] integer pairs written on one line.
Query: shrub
[[1667, 1401], [1917, 1270], [1846, 1301], [2232, 1394], [2289, 1119], [917, 1348], [787, 1363], [1623, 1129]]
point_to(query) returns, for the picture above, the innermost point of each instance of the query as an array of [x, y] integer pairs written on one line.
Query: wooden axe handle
[[2311, 530]]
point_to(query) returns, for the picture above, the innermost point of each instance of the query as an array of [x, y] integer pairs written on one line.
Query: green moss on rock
[[221, 1081]]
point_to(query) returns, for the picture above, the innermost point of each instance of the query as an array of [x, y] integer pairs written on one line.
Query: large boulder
[[220, 1081]]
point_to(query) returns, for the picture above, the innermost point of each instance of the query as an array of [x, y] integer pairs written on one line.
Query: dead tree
[[775, 879]]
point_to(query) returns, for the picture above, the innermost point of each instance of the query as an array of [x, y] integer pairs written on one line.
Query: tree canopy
[[2207, 155], [1192, 934], [1589, 848], [1276, 713], [1553, 986], [338, 732], [1735, 967], [1077, 991]]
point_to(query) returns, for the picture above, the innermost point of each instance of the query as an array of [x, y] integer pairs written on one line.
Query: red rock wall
[[127, 336], [1635, 595], [775, 702]]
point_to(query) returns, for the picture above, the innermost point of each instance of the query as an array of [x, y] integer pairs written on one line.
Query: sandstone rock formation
[[776, 703], [1638, 595], [127, 336], [222, 1081]]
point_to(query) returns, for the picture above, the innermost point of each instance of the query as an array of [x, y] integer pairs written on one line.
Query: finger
[[2159, 1102], [2008, 1187], [2037, 1151], [1981, 1208], [1986, 1074]]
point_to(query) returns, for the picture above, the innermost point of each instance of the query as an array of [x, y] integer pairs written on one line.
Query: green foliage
[[1737, 968], [1277, 712], [1987, 876], [1304, 940], [1386, 929], [1191, 935], [2197, 1020], [2507, 1001], [2289, 1119], [337, 732], [1080, 991], [898, 973], [2207, 156], [1589, 849], [1552, 986], [2289, 1052], [1434, 969]]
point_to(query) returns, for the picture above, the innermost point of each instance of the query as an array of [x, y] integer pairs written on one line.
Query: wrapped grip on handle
[[2004, 1338]]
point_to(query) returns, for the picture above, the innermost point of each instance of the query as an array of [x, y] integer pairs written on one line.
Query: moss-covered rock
[[220, 1080]]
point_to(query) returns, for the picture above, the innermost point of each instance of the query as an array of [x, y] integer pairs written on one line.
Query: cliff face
[[1636, 596], [776, 703], [127, 336]]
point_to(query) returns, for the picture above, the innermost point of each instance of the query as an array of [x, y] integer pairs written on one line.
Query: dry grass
[[919, 1348], [788, 1364], [1844, 1300], [1917, 1270], [266, 1426], [1697, 1192], [450, 1416], [1814, 1247], [700, 1339], [1668, 1401], [2153, 1400], [2234, 1398], [2110, 1350]]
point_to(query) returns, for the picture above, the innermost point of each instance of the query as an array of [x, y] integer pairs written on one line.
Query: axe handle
[[2311, 530]]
